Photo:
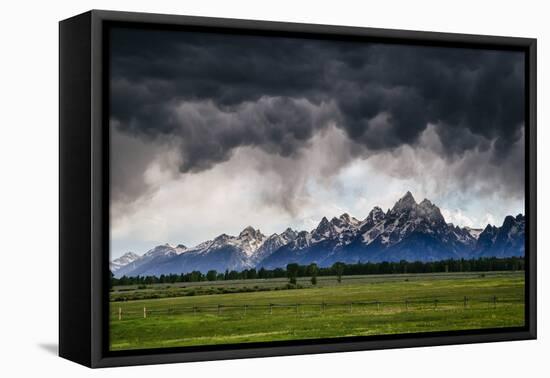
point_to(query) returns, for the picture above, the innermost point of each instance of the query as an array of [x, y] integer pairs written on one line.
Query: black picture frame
[[84, 190]]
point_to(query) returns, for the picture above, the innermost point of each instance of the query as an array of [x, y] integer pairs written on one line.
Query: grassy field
[[360, 305]]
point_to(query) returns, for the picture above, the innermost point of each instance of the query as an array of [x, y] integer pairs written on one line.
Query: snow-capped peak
[[375, 216], [250, 233], [250, 240], [165, 249], [349, 220], [428, 210], [288, 235], [343, 223], [324, 230], [125, 259]]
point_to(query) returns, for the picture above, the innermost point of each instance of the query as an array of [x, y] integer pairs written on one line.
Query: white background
[[29, 186]]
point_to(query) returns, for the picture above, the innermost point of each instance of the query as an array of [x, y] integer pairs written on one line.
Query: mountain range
[[409, 231]]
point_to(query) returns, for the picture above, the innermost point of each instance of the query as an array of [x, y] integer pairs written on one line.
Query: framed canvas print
[[233, 188]]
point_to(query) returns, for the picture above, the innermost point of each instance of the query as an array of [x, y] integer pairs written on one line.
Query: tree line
[[294, 271]]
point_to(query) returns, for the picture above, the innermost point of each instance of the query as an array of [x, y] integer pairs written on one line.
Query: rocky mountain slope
[[409, 231]]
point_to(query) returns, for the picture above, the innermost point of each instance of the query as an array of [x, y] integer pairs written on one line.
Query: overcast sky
[[211, 133]]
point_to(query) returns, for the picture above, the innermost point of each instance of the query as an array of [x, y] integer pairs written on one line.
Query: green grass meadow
[[358, 306]]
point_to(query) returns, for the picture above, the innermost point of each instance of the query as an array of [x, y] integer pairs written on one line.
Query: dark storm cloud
[[213, 93], [278, 125]]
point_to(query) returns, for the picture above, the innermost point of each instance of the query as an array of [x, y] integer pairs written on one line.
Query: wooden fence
[[405, 304]]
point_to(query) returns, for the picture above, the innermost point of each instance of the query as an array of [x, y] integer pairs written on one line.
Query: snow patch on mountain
[[123, 260], [475, 232]]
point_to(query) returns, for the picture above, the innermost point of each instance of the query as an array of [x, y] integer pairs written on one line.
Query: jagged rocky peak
[[122, 261], [221, 238], [289, 234], [488, 235], [490, 228], [126, 258], [513, 224], [508, 221], [160, 250], [427, 209], [128, 255], [348, 219], [426, 203], [345, 217], [302, 239], [376, 215], [428, 206], [511, 221], [251, 234], [181, 246], [323, 225], [407, 202], [250, 240], [324, 228], [344, 222], [507, 240], [275, 241], [302, 234]]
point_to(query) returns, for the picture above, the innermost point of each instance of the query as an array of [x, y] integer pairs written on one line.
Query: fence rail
[[405, 304]]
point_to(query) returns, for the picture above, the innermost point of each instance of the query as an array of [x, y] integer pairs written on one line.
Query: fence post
[[245, 306], [297, 308], [350, 307], [144, 312], [219, 309], [271, 309], [194, 310], [378, 305], [407, 304], [494, 302], [465, 301], [119, 313]]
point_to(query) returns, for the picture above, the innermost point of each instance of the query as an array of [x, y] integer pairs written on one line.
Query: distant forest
[[339, 269]]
